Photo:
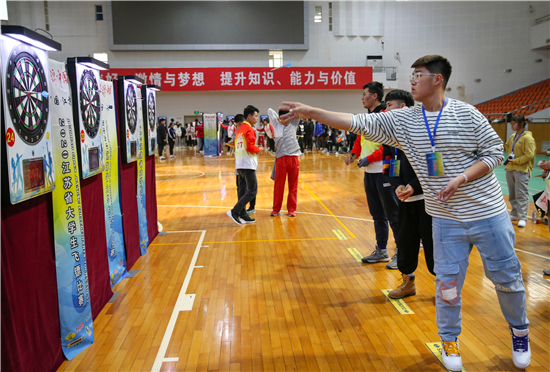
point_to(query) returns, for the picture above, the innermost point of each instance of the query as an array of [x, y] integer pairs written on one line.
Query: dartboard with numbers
[[131, 108], [90, 104], [151, 110], [26, 89]]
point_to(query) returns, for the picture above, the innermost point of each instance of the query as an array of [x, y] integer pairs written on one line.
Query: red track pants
[[286, 165], [261, 141]]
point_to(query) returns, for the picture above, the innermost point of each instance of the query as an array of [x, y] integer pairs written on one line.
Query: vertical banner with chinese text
[[142, 207], [210, 135], [111, 199], [75, 314]]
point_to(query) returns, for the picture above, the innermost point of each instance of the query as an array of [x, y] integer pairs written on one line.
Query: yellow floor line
[[250, 241], [328, 210]]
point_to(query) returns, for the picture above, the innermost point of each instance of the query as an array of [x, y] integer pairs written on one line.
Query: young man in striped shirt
[[453, 151]]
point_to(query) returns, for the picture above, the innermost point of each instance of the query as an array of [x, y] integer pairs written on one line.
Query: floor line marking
[[268, 210], [328, 210], [180, 302], [355, 254], [533, 254], [400, 305], [170, 359], [251, 241]]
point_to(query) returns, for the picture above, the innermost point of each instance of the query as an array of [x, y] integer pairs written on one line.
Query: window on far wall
[[318, 17], [99, 12], [103, 57], [275, 58]]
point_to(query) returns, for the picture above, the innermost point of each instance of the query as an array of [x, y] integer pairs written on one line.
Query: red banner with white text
[[254, 78]]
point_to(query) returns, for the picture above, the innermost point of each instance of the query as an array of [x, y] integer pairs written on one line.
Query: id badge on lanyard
[[434, 159], [395, 166]]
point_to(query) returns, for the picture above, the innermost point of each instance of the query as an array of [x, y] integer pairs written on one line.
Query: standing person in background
[[183, 133], [199, 128], [260, 129], [413, 223], [317, 133], [172, 139], [178, 134], [545, 165], [190, 132], [382, 201], [246, 162], [300, 132], [324, 138], [521, 148], [161, 138], [269, 131], [308, 133]]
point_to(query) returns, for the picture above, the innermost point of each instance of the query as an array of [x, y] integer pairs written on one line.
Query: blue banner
[[111, 199], [210, 135], [75, 314], [142, 207]]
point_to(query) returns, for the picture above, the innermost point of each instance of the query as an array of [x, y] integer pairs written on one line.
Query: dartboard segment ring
[[90, 104]]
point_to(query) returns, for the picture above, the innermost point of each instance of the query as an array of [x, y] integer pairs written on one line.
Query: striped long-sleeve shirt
[[463, 137]]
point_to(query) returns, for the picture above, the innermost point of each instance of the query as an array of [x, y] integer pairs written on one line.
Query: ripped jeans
[[495, 239]]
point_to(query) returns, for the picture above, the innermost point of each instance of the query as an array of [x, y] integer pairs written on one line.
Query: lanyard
[[432, 138], [516, 140]]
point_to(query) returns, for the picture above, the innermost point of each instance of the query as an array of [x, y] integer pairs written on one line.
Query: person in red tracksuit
[[286, 163], [200, 136]]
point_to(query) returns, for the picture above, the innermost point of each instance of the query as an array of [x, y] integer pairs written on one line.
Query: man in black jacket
[[161, 137], [413, 223], [310, 127]]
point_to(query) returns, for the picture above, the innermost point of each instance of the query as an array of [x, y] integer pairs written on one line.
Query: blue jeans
[[495, 239]]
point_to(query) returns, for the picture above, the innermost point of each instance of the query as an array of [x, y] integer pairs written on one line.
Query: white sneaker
[[522, 223], [172, 156], [521, 349], [162, 158], [514, 218], [451, 356]]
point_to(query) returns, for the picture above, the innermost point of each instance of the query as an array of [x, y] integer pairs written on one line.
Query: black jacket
[[161, 133], [407, 176]]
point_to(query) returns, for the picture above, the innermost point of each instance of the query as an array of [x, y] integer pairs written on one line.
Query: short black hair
[[375, 88], [436, 64], [400, 95], [250, 110], [161, 120], [239, 118]]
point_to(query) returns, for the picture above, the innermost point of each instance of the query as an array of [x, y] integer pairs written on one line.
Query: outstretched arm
[[298, 110]]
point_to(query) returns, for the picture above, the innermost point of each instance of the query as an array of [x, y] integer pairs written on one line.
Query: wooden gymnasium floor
[[285, 294]]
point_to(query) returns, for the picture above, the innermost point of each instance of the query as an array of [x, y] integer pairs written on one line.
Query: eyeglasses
[[365, 93], [416, 76]]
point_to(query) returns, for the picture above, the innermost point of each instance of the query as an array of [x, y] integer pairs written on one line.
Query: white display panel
[[87, 116], [129, 119], [26, 112], [149, 119]]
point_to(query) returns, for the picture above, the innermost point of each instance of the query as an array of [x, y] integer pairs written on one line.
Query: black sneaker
[[234, 217], [246, 219]]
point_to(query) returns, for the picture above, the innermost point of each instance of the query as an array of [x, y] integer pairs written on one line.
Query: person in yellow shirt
[[521, 149]]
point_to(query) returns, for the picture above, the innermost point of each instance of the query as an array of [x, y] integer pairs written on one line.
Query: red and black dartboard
[[90, 104], [131, 108], [26, 88]]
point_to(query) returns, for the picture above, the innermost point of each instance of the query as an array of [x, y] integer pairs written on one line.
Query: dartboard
[[89, 102], [151, 110], [131, 108], [25, 82]]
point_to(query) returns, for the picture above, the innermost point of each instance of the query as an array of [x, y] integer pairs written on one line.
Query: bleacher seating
[[526, 101]]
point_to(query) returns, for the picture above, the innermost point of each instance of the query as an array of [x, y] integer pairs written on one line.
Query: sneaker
[[234, 217], [522, 223], [162, 158], [291, 214], [407, 288], [514, 218], [521, 351], [249, 211], [378, 255], [172, 156], [336, 153], [451, 356], [274, 214], [392, 265], [546, 271], [246, 219]]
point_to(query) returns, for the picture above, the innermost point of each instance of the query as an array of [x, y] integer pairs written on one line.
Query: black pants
[[301, 143], [271, 144], [241, 190], [247, 188], [383, 206], [161, 147], [171, 145], [414, 224], [309, 141]]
